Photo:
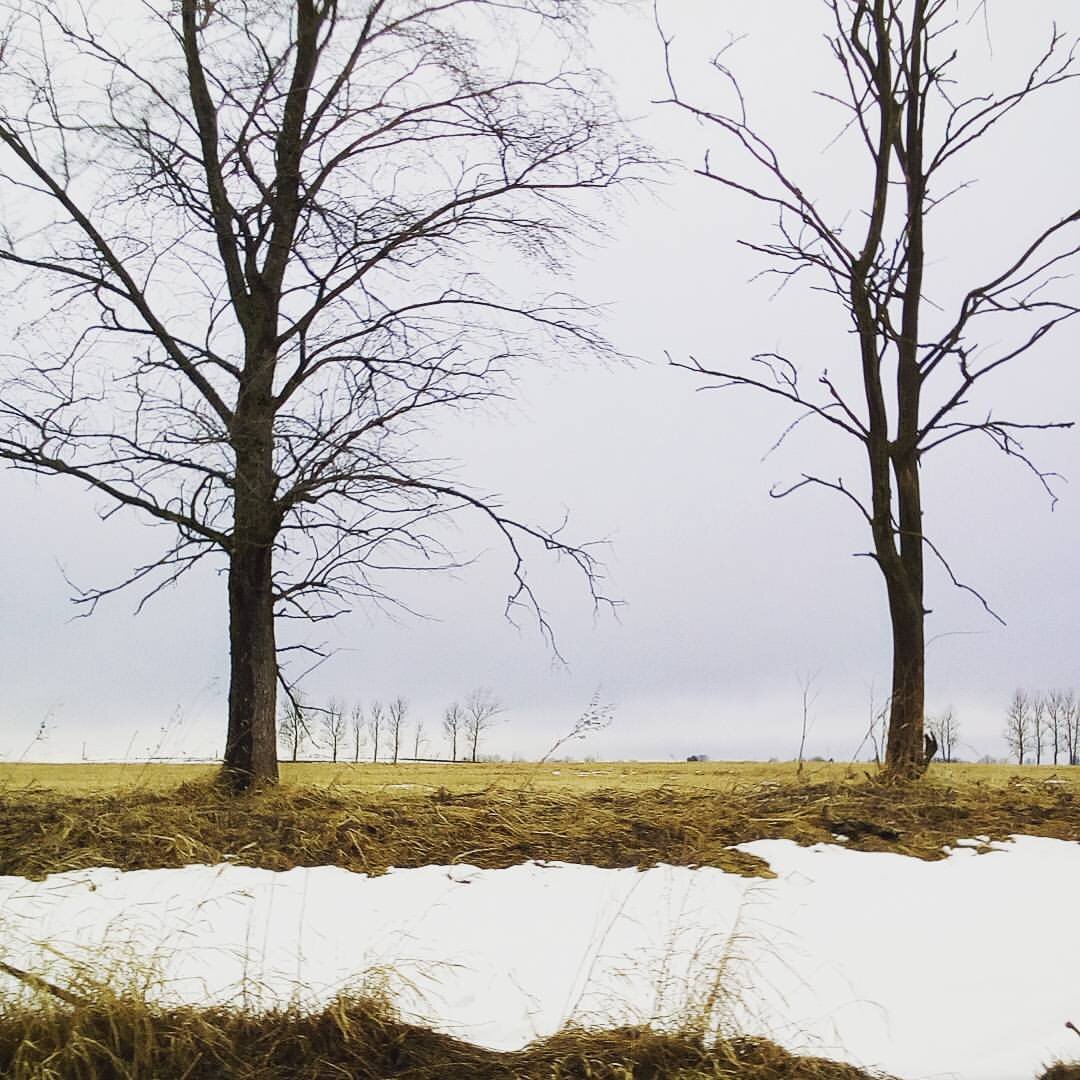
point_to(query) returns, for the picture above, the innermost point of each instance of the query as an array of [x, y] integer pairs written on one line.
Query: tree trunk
[[904, 748], [904, 753], [251, 750], [251, 745]]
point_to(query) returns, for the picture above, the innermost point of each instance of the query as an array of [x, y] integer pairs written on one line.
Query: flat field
[[555, 776]]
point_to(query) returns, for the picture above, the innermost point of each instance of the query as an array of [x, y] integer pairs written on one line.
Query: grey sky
[[729, 595]]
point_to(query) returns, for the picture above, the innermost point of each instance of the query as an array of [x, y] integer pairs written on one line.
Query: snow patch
[[875, 958]]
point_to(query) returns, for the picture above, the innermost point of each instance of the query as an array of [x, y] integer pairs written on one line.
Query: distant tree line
[[1044, 727], [383, 730]]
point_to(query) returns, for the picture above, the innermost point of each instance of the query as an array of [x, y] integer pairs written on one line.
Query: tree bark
[[904, 752], [251, 744], [250, 749], [904, 748]]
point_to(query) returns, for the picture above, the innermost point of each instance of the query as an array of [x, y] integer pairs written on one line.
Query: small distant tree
[[809, 696], [1072, 727], [358, 725], [1039, 727], [376, 722], [1058, 705], [877, 732], [418, 738], [453, 725], [396, 712], [1018, 725], [946, 729], [335, 727], [293, 728], [481, 709]]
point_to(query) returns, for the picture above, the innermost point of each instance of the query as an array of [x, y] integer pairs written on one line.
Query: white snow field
[[967, 967]]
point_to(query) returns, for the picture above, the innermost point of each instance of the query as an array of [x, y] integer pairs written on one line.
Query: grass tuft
[[123, 1038]]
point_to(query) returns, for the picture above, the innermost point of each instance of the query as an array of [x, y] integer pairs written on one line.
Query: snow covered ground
[[968, 967]]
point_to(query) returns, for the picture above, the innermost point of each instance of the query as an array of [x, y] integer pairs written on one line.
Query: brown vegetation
[[370, 829], [123, 1039]]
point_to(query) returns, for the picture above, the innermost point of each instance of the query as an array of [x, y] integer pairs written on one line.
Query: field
[[560, 776], [372, 817]]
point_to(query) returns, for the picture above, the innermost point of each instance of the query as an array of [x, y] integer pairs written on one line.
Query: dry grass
[[580, 777], [370, 828], [124, 1039], [369, 818]]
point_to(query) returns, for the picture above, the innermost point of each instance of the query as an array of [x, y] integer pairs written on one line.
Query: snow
[[966, 967]]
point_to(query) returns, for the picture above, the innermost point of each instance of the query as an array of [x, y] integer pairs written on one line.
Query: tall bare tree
[[902, 383], [453, 725], [1039, 726], [358, 727], [1018, 725], [1072, 727], [253, 242], [946, 730], [419, 739], [294, 728], [1059, 704], [376, 723], [335, 727], [396, 712], [481, 709]]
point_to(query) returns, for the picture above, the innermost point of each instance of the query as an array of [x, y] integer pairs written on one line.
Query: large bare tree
[[904, 380], [256, 247]]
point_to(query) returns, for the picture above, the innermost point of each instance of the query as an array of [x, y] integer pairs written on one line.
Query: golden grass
[[85, 778], [368, 818], [414, 823], [122, 1038]]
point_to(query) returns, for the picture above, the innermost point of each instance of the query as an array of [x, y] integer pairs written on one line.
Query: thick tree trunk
[[251, 746], [904, 751]]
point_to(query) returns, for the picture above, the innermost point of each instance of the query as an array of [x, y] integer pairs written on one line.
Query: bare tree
[[293, 728], [376, 723], [264, 228], [946, 730], [1038, 726], [1018, 725], [1072, 727], [453, 725], [809, 696], [358, 726], [396, 712], [1058, 704], [419, 740], [916, 360], [481, 709], [335, 727]]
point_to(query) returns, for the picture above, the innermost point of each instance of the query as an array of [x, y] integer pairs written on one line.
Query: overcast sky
[[731, 598]]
